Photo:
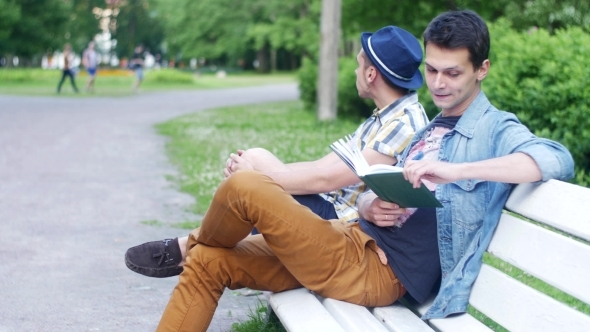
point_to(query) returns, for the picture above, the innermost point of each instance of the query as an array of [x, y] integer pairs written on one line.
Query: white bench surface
[[557, 259], [555, 203]]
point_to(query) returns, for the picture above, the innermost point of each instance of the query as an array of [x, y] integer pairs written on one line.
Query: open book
[[386, 181]]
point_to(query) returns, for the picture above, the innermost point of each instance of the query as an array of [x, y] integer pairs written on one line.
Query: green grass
[[152, 222], [119, 82], [200, 143], [260, 320]]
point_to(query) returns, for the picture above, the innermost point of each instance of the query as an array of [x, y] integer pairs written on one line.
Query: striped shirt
[[387, 131]]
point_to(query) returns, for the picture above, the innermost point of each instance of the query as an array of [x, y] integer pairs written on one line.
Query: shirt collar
[[398, 105]]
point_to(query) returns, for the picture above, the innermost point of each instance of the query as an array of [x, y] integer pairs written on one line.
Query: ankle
[[182, 242]]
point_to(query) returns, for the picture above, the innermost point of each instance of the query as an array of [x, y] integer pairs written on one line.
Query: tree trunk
[[9, 58], [273, 60], [328, 64], [263, 60]]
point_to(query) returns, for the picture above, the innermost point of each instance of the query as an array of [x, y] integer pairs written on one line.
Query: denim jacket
[[472, 208]]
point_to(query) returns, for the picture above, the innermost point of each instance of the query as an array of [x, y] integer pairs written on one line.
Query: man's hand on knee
[[235, 162]]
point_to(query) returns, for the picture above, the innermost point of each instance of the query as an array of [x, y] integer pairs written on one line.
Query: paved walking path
[[77, 177]]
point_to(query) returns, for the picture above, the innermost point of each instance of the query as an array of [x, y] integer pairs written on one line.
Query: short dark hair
[[390, 84], [458, 29]]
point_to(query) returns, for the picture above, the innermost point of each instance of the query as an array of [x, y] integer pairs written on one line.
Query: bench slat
[[549, 256], [558, 204], [518, 307], [398, 318], [352, 317], [458, 323], [301, 311]]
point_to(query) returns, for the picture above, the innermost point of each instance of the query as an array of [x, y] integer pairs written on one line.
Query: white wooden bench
[[553, 257]]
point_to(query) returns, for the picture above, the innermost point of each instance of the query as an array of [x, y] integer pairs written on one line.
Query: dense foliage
[[277, 34], [544, 79], [540, 77]]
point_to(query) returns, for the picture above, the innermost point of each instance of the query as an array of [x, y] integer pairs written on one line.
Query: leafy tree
[[227, 31], [33, 26], [549, 14], [137, 23], [83, 24], [412, 15], [9, 16], [211, 29], [292, 26]]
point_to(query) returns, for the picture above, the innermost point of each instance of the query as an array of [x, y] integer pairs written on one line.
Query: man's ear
[[482, 71], [371, 74]]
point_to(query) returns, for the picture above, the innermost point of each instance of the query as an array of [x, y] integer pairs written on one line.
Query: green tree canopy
[[137, 22], [32, 27]]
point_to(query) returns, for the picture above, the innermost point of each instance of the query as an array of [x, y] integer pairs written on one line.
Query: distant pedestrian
[[67, 68], [136, 64], [90, 62]]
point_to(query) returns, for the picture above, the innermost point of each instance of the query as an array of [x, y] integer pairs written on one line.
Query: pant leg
[[332, 259], [209, 270], [72, 80], [63, 78], [315, 203]]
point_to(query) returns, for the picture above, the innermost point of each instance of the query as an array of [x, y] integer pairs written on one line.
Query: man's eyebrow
[[448, 68]]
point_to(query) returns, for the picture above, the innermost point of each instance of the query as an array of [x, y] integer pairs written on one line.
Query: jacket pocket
[[469, 200]]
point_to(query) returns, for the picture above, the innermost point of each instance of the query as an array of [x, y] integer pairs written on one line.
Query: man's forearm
[[314, 181], [301, 165], [513, 168]]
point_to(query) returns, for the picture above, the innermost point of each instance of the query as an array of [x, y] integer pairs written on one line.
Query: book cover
[[385, 181], [392, 187]]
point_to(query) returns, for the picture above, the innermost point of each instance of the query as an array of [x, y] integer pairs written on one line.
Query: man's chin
[[441, 102]]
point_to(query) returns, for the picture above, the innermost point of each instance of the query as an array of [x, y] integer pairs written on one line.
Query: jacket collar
[[474, 112]]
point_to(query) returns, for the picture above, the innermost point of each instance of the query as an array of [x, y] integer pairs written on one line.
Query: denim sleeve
[[552, 158]]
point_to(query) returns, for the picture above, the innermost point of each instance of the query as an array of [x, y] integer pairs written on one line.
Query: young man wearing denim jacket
[[473, 154]]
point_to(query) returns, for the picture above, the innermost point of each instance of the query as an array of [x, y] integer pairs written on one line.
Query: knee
[[208, 262], [198, 256], [247, 184], [246, 180], [197, 272]]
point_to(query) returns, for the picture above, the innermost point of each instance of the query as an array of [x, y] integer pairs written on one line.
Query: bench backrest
[[557, 259]]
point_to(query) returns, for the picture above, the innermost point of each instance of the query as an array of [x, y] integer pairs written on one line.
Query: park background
[[539, 48]]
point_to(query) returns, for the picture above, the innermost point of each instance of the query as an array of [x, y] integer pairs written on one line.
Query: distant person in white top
[[90, 62]]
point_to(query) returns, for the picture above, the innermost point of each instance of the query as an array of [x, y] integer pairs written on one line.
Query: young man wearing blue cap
[[388, 73], [297, 247]]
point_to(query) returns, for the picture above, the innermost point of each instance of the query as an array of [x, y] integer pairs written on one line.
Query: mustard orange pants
[[296, 248]]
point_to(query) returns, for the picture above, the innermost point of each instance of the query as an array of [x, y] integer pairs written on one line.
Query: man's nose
[[439, 82]]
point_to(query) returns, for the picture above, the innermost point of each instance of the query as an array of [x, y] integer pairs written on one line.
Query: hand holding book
[[386, 181]]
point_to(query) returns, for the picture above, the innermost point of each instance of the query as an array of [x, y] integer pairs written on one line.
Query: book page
[[381, 168], [353, 157]]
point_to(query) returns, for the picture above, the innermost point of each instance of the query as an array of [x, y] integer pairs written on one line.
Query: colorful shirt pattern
[[387, 131]]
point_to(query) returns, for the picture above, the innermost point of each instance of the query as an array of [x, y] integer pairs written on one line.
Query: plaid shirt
[[387, 131]]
